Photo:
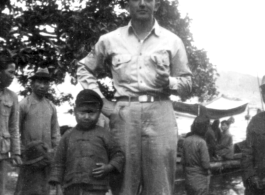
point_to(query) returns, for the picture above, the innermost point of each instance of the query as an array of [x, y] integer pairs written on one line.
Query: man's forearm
[[181, 86]]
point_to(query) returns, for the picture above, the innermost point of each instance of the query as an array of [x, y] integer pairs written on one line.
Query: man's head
[[40, 82], [225, 125], [142, 10], [262, 88], [7, 69], [200, 125], [88, 106]]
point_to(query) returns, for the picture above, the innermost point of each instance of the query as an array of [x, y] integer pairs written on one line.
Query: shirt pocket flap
[[121, 59], [8, 104], [6, 135]]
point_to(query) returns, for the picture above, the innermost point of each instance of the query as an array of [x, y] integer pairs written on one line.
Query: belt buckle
[[145, 98]]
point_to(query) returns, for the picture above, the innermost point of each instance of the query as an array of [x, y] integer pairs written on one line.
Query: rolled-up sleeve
[[88, 67], [180, 78]]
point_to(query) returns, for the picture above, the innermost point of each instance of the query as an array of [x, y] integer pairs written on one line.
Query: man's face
[[224, 127], [7, 75], [142, 10], [40, 87], [87, 115]]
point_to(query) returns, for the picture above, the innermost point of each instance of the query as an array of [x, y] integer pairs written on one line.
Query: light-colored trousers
[[147, 133]]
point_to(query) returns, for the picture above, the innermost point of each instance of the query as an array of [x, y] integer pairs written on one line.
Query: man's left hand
[[16, 160], [161, 78]]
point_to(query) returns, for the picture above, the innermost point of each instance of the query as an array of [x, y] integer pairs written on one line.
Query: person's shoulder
[[25, 101], [50, 103], [169, 34], [229, 135], [11, 93], [114, 33], [68, 133], [257, 123], [258, 116]]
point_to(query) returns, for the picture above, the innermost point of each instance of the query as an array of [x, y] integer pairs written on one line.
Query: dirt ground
[[12, 175]]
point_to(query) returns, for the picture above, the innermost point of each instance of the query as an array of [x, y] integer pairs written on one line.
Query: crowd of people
[[136, 154]]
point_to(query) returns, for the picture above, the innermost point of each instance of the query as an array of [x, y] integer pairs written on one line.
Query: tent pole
[[260, 94]]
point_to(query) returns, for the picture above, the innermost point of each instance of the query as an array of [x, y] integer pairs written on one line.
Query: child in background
[[87, 153], [195, 158]]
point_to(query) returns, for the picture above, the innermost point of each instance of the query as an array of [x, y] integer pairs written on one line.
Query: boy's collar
[[78, 127]]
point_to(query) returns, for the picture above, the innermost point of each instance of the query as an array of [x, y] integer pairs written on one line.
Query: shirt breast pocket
[[161, 60], [120, 66], [6, 109]]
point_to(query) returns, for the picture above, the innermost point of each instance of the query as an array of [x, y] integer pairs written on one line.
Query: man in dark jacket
[[9, 135], [253, 155]]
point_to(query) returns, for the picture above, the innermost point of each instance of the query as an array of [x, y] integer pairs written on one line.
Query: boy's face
[[40, 87], [87, 115], [7, 75]]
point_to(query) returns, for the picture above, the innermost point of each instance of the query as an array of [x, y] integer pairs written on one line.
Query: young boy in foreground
[[87, 153]]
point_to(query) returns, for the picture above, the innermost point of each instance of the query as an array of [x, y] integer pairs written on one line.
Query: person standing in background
[[39, 136], [9, 113], [195, 158], [225, 147]]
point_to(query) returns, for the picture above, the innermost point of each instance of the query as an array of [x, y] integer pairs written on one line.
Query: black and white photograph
[[132, 97]]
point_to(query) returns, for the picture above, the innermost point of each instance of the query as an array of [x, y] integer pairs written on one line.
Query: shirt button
[[140, 67], [140, 54]]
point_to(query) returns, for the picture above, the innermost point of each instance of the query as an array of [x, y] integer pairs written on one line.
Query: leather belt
[[142, 98]]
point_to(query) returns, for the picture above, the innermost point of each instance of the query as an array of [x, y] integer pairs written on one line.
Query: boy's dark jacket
[[77, 155]]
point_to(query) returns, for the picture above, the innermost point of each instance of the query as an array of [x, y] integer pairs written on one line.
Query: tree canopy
[[56, 34]]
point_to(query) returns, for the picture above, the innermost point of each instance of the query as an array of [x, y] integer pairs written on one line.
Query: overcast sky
[[231, 31]]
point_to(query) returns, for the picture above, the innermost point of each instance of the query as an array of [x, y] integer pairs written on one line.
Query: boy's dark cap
[[88, 96]]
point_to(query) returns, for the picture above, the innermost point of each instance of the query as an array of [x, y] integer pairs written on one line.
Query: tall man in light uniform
[[148, 63]]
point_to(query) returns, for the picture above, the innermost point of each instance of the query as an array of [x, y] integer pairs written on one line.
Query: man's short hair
[[225, 122], [5, 59]]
